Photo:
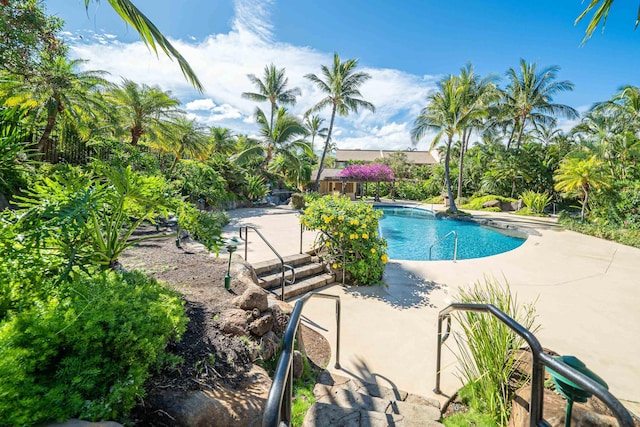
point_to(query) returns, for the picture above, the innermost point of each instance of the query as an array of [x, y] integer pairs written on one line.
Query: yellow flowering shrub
[[352, 227]]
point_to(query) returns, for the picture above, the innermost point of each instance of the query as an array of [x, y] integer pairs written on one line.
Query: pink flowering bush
[[352, 227], [369, 173]]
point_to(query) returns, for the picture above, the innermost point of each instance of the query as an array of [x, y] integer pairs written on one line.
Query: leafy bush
[[487, 360], [536, 202], [204, 226], [85, 349], [629, 237], [297, 201], [410, 190], [352, 227], [199, 182], [628, 208], [477, 202], [255, 189]]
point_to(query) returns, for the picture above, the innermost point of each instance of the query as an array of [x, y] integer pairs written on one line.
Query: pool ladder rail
[[455, 244]]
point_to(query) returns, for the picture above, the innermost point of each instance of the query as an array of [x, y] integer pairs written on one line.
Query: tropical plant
[[13, 156], [255, 188], [602, 8], [56, 88], [151, 36], [313, 126], [222, 140], [83, 349], [186, 138], [537, 202], [349, 229], [144, 110], [341, 85], [487, 347], [581, 175], [273, 89], [284, 138], [529, 98]]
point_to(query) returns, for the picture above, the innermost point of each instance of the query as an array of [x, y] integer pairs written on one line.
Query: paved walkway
[[585, 292]]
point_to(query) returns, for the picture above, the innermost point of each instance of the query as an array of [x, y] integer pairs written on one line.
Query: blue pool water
[[410, 232]]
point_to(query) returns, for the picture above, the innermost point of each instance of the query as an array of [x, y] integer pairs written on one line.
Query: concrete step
[[343, 401], [271, 265], [303, 286], [305, 270]]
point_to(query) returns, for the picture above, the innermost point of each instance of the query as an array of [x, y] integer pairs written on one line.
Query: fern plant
[[535, 201]]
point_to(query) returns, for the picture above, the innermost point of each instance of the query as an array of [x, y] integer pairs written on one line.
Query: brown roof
[[327, 173], [416, 157]]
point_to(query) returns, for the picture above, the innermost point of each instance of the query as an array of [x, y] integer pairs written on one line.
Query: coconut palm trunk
[[447, 177], [44, 144], [326, 147]]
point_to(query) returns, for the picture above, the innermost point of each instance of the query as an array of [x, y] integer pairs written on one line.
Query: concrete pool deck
[[585, 291]]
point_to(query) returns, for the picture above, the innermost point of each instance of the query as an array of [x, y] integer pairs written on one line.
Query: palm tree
[[599, 16], [626, 104], [273, 89], [313, 126], [581, 175], [478, 94], [146, 110], [445, 114], [186, 139], [151, 36], [529, 97], [283, 139], [222, 140], [341, 85], [56, 88]]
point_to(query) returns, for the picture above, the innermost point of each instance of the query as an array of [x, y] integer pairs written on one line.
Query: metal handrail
[[278, 406], [284, 266], [455, 244], [540, 360]]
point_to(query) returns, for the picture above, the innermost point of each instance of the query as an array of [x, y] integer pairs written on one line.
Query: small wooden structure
[[331, 183]]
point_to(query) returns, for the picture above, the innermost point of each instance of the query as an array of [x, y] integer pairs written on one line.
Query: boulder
[[253, 297], [283, 305], [491, 204], [261, 325], [554, 406], [298, 365], [280, 319], [269, 345], [234, 321], [219, 406]]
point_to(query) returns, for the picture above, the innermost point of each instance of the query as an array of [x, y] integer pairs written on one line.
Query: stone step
[[271, 265], [343, 401], [305, 270], [303, 286]]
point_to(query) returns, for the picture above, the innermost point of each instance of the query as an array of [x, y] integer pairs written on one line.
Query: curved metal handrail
[[455, 244], [283, 279], [540, 360], [278, 403]]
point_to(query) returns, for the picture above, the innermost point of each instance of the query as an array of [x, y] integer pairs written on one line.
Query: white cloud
[[222, 62]]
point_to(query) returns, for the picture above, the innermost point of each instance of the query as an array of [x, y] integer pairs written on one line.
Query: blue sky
[[407, 46]]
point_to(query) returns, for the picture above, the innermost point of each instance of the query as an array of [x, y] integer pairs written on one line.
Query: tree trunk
[[136, 133], [447, 177], [520, 134], [465, 136], [513, 131], [326, 146], [585, 201], [44, 142]]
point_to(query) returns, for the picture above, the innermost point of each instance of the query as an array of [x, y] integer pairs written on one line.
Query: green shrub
[[353, 227], [536, 202], [297, 201], [255, 189], [487, 360], [86, 349], [477, 202], [629, 237], [204, 226], [199, 182]]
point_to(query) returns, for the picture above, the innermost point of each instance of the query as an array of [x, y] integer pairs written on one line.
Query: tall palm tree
[[478, 94], [146, 110], [529, 97], [186, 139], [341, 85], [313, 126], [626, 104], [273, 89], [581, 175], [151, 36], [445, 114], [283, 139], [56, 88]]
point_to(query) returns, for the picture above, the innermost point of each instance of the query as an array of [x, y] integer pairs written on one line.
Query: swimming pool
[[410, 233]]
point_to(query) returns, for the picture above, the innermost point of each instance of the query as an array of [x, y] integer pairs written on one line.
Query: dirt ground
[[210, 356]]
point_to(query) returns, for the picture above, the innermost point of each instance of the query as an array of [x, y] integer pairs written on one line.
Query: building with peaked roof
[[369, 156]]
